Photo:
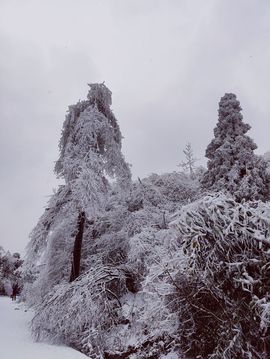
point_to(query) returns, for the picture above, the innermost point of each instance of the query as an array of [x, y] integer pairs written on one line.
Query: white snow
[[15, 336], [171, 355]]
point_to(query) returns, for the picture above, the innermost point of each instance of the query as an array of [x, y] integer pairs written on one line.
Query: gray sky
[[167, 62]]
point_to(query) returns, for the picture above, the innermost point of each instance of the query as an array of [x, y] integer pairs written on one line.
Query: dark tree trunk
[[75, 268]]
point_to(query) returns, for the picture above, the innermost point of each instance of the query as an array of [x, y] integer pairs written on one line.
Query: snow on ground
[[15, 336], [170, 356]]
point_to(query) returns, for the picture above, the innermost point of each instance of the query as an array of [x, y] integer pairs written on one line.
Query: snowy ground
[[15, 337]]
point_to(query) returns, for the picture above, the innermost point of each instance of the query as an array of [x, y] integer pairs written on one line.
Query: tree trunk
[[75, 268]]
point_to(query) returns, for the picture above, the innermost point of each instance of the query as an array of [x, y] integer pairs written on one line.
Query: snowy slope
[[15, 337]]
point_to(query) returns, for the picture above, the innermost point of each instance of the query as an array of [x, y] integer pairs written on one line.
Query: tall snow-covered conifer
[[232, 164], [90, 150], [90, 154]]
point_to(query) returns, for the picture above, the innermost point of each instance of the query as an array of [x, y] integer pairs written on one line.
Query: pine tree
[[189, 163], [233, 165]]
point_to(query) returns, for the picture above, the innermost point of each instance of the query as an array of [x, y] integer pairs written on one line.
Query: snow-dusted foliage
[[190, 160], [232, 164], [223, 294], [10, 272], [170, 190], [266, 157], [118, 306], [90, 154], [48, 258], [39, 235], [90, 150]]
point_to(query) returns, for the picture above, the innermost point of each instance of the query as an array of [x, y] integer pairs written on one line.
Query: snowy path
[[16, 341]]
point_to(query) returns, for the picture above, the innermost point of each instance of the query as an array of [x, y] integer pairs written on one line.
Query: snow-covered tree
[[90, 150], [190, 160], [90, 155], [232, 164]]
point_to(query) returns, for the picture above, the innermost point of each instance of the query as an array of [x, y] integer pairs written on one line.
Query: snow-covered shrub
[[78, 314], [103, 313], [168, 192], [223, 294], [10, 272], [176, 187]]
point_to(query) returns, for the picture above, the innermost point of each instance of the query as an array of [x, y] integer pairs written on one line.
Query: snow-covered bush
[[118, 307], [223, 294], [10, 272], [79, 313], [168, 191]]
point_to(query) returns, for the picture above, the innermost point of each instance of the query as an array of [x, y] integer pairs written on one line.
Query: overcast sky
[[167, 63]]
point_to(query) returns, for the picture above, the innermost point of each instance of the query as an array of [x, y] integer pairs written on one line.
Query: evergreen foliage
[[232, 164]]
